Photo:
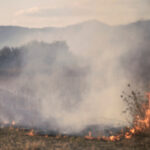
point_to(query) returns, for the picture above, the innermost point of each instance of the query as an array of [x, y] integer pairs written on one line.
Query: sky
[[42, 13]]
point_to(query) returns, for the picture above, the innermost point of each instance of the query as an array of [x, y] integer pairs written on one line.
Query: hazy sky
[[40, 13]]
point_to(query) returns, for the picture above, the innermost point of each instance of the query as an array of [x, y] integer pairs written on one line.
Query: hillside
[[95, 33]]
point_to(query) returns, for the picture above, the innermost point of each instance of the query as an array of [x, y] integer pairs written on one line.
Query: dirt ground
[[14, 139]]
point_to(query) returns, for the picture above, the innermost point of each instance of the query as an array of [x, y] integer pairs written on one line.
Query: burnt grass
[[17, 139]]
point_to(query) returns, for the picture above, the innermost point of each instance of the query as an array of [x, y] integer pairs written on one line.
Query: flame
[[31, 133], [140, 125], [13, 123], [89, 137], [128, 135]]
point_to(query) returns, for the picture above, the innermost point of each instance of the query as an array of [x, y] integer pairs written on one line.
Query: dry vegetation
[[19, 139], [12, 139]]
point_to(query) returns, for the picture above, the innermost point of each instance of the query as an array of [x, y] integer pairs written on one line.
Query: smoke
[[136, 61], [52, 87], [138, 66], [46, 86]]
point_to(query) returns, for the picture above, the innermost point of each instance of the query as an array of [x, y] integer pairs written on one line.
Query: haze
[[41, 13]]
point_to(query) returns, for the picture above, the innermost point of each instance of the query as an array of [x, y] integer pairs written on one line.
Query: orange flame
[[140, 124], [13, 123], [31, 133], [89, 137]]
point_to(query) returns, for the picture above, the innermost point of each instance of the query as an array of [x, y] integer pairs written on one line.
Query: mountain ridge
[[76, 24]]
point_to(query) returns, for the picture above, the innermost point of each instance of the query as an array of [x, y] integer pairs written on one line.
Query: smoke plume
[[68, 86]]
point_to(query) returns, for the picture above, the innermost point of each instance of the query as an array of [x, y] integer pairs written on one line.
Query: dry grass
[[18, 140]]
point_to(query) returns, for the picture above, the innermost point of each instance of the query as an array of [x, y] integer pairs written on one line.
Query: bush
[[136, 104]]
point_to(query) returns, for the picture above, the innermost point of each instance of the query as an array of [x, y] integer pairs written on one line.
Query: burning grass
[[136, 137], [138, 109], [12, 139]]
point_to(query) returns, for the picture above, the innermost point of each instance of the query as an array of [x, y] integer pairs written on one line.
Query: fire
[[132, 131], [13, 123], [140, 124], [89, 137], [112, 138], [128, 135], [31, 133]]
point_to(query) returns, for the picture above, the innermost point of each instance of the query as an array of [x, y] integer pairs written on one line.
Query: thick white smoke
[[58, 91], [59, 88]]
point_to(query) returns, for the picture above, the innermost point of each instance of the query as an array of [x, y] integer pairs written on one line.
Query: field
[[15, 139]]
